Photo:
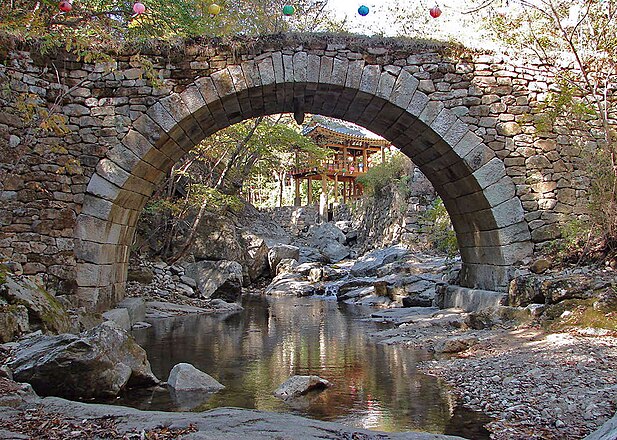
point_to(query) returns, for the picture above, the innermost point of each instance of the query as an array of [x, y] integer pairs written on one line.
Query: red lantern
[[435, 11], [139, 8], [65, 6]]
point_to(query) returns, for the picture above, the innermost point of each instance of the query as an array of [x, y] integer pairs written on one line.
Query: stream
[[376, 386]]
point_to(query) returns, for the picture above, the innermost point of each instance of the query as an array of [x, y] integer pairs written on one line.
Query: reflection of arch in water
[[480, 198]]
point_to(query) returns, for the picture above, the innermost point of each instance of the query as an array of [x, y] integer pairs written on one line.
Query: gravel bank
[[536, 385]]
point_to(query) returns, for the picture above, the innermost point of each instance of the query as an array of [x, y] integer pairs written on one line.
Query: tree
[[577, 43], [218, 170]]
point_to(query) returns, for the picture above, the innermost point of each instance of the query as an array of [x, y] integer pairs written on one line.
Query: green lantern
[[288, 10]]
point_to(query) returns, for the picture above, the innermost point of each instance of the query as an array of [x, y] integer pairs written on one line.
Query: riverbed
[[376, 386]]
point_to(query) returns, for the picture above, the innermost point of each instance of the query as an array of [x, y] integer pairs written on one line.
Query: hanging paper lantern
[[435, 11], [65, 6], [288, 10], [363, 10], [214, 9], [139, 8]]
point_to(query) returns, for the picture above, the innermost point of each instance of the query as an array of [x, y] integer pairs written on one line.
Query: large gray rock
[[608, 431], [45, 312], [290, 284], [218, 279], [325, 232], [136, 308], [219, 424], [333, 251], [330, 241], [185, 377], [297, 386], [281, 252], [368, 264], [120, 317], [97, 363], [256, 255]]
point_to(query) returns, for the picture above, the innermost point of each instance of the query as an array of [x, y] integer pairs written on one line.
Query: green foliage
[[382, 176], [565, 105], [94, 24], [216, 200], [439, 229]]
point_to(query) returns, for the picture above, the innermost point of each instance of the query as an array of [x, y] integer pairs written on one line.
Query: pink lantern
[[139, 8], [435, 11], [65, 6]]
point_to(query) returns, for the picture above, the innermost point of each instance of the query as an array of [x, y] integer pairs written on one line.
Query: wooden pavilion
[[354, 151]]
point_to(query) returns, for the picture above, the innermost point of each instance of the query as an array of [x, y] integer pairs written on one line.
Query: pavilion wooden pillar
[[309, 191], [364, 159], [323, 199], [336, 189], [297, 198], [344, 192], [383, 154]]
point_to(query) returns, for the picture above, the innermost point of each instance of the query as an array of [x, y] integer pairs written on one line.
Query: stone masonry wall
[[45, 172]]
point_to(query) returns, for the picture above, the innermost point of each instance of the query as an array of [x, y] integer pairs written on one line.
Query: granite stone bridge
[[71, 201]]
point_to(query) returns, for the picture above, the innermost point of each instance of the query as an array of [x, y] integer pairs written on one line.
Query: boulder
[[98, 363], [541, 265], [311, 255], [287, 265], [368, 264], [136, 308], [326, 232], [330, 241], [218, 279], [333, 251], [456, 344], [120, 317], [142, 275], [297, 386], [281, 252], [290, 284], [45, 312], [185, 377], [256, 255]]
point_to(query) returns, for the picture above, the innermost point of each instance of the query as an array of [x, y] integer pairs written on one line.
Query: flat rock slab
[[225, 423], [159, 309]]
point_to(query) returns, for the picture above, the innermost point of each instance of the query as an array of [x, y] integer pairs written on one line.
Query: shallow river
[[251, 353]]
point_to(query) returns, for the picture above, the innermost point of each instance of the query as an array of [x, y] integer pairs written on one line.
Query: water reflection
[[251, 353]]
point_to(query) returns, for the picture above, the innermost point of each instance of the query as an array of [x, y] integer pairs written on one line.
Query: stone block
[[370, 78], [300, 64], [472, 300], [404, 89], [96, 229], [93, 275], [223, 83], [101, 187], [386, 85], [491, 172], [354, 74], [120, 317]]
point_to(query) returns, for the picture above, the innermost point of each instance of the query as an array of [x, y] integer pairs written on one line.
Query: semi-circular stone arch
[[480, 198]]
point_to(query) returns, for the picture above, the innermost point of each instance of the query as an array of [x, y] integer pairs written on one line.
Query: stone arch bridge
[[71, 201]]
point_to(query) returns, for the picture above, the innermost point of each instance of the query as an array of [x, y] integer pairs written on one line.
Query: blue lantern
[[363, 10]]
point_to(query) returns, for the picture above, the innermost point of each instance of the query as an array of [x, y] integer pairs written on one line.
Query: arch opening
[[471, 180]]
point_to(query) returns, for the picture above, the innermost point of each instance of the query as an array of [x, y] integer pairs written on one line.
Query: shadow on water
[[376, 386]]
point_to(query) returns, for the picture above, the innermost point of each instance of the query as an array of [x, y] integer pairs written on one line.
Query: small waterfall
[[331, 290]]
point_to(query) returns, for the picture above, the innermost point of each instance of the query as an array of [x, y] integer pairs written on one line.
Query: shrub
[[439, 229]]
